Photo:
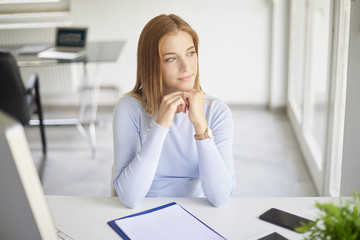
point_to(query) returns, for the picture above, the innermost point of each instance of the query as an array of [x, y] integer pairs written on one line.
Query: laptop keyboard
[[51, 53]]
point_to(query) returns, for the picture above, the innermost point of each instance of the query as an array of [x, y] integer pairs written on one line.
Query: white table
[[87, 217]]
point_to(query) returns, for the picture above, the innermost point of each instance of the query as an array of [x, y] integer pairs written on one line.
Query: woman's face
[[179, 63]]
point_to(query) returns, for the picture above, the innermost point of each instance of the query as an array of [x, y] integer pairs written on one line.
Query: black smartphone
[[273, 236], [283, 219]]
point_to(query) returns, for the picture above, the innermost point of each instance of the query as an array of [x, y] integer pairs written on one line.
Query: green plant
[[335, 221]]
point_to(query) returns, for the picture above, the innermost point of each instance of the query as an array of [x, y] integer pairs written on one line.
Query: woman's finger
[[170, 105]]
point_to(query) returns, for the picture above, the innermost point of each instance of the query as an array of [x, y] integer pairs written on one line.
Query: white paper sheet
[[172, 222]]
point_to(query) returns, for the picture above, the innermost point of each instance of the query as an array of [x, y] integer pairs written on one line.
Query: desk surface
[[87, 217], [106, 51]]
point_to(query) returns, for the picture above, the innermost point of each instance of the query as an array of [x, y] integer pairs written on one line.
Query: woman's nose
[[183, 65]]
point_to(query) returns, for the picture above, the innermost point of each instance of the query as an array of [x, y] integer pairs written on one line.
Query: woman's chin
[[186, 89]]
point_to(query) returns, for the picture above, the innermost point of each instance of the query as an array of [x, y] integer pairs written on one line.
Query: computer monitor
[[24, 211]]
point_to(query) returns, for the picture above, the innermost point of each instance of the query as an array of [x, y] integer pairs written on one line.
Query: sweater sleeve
[[216, 158], [135, 161]]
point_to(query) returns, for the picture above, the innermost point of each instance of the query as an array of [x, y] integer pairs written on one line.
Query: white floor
[[267, 159]]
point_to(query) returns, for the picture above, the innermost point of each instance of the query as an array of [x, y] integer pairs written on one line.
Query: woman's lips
[[185, 78]]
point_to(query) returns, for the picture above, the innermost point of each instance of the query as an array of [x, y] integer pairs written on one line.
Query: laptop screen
[[71, 37]]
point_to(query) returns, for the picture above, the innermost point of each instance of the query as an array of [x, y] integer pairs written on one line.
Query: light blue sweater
[[154, 161]]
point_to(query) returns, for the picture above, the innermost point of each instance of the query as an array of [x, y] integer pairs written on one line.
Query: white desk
[[87, 217]]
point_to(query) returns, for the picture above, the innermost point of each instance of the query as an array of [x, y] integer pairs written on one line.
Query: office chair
[[16, 100]]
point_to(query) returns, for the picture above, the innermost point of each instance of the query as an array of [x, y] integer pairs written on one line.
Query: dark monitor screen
[[24, 211], [67, 37]]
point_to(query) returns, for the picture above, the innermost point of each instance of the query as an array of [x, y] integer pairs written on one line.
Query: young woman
[[171, 139]]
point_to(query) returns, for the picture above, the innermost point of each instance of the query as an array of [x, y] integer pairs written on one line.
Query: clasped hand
[[183, 101]]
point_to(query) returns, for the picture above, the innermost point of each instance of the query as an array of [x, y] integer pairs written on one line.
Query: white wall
[[234, 42]]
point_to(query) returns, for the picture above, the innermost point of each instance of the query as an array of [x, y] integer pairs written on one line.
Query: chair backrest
[[12, 90]]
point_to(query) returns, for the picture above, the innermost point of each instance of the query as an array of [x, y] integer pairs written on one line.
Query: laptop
[[70, 43], [24, 210]]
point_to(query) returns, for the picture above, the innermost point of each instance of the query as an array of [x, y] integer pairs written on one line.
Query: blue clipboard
[[113, 225]]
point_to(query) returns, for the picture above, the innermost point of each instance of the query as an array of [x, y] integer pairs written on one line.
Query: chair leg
[[41, 119], [43, 139]]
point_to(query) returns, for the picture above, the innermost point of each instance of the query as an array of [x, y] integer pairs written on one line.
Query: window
[[297, 58], [308, 80], [33, 6], [24, 11]]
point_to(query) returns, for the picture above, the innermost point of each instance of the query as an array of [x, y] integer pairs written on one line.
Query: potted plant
[[335, 222]]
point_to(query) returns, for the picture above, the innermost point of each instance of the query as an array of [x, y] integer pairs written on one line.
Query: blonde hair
[[148, 87]]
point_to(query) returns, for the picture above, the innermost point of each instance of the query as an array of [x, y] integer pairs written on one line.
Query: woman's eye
[[170, 59], [191, 53]]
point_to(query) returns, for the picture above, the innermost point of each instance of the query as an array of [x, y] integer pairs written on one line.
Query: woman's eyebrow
[[173, 53]]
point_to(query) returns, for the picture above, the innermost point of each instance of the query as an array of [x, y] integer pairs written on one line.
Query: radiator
[[30, 36], [59, 79]]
